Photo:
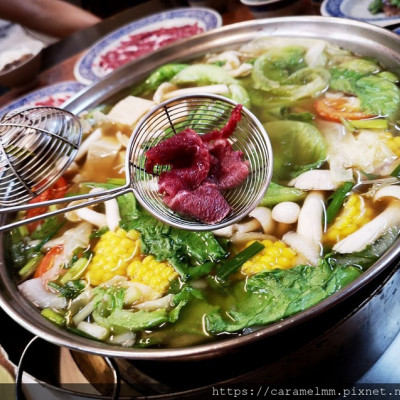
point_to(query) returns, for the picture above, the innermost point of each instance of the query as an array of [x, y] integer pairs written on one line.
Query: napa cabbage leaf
[[297, 147]]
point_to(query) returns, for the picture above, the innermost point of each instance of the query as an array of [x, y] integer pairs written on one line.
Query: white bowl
[[272, 8]]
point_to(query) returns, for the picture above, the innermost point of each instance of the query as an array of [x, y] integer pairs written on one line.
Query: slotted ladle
[[38, 145]]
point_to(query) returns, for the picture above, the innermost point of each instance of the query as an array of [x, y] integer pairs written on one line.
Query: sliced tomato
[[56, 191], [34, 212], [48, 261], [336, 108], [59, 189]]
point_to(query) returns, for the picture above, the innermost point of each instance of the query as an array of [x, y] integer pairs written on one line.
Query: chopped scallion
[[336, 201], [53, 316], [233, 264], [396, 172], [76, 271]]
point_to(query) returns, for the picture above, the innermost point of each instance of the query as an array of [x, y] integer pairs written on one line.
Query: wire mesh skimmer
[[202, 113], [36, 147]]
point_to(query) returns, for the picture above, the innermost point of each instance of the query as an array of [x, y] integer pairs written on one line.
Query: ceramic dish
[[355, 9], [134, 40], [54, 95], [272, 8]]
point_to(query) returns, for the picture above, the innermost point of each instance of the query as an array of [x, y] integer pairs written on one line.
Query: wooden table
[[59, 58]]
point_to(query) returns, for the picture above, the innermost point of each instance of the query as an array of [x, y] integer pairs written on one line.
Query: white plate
[[355, 9], [54, 95], [88, 69]]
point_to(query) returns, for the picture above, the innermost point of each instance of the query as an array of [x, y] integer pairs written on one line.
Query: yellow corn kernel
[[275, 255], [393, 143], [113, 253], [356, 212], [156, 274]]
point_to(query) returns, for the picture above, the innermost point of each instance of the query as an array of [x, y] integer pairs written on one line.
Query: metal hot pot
[[271, 342]]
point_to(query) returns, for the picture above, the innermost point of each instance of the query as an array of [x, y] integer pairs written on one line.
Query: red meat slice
[[188, 157], [227, 170], [201, 166], [228, 129], [178, 150], [206, 203]]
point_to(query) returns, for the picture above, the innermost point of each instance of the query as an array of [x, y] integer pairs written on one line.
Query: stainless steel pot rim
[[112, 84]]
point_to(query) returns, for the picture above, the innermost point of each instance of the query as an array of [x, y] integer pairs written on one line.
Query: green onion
[[233, 264], [49, 236], [396, 172], [116, 181], [76, 271], [336, 201], [53, 316], [78, 332], [23, 230], [377, 123], [30, 267]]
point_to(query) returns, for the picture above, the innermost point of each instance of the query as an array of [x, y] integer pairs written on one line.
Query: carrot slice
[[48, 261], [56, 191], [336, 108]]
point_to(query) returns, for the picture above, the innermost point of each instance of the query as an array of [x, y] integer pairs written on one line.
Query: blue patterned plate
[[140, 37], [355, 9], [54, 95]]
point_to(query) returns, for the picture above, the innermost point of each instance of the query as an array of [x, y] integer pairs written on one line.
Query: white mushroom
[[264, 216], [315, 179], [227, 231], [113, 217], [86, 214], [303, 245], [248, 226], [307, 239], [286, 212], [387, 191], [310, 219], [371, 231]]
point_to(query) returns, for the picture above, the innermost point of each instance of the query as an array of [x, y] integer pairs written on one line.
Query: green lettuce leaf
[[137, 320], [272, 296], [160, 75], [378, 96], [297, 147], [182, 248], [203, 74], [277, 194]]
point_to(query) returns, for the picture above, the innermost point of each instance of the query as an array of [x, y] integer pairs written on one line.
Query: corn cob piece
[[393, 142], [113, 253], [158, 275], [275, 255], [356, 212]]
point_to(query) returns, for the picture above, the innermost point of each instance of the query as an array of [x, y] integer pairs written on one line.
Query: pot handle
[[116, 376], [21, 367]]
